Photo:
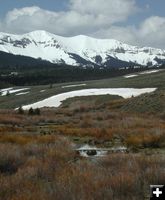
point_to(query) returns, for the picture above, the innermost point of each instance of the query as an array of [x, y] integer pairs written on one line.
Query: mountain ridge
[[70, 50]]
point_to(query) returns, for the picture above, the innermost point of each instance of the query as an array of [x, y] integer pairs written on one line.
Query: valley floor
[[38, 159]]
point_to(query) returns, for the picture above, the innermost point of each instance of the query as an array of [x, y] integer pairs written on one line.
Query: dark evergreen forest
[[22, 70]]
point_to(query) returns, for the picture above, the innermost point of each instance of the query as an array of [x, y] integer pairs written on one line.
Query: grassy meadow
[[37, 151], [154, 80]]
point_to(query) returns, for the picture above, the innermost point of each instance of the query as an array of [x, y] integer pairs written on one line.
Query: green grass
[[92, 100], [153, 103], [142, 81]]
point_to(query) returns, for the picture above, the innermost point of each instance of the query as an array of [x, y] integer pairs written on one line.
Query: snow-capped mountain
[[79, 50]]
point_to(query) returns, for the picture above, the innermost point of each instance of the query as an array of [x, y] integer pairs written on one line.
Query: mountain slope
[[79, 50], [8, 59]]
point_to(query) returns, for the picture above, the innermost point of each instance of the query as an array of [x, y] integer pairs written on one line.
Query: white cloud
[[150, 32], [17, 13], [153, 30], [124, 34], [90, 17], [154, 25], [28, 19], [112, 10], [82, 17]]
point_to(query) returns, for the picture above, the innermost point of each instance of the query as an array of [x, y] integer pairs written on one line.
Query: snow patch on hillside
[[42, 91], [22, 93], [11, 91], [78, 85], [130, 76], [143, 73], [150, 71], [56, 100]]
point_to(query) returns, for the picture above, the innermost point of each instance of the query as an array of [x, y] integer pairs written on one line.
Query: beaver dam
[[87, 151]]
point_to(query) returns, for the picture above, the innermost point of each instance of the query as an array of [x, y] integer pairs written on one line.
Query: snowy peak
[[79, 50]]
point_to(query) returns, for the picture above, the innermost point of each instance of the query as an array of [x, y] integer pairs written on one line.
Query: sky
[[136, 22]]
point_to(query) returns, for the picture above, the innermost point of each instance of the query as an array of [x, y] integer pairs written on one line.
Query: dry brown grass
[[49, 170], [134, 129], [144, 138], [38, 162]]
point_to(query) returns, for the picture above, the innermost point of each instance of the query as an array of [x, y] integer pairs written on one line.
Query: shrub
[[145, 140], [34, 111], [10, 159], [20, 110], [37, 111], [31, 111]]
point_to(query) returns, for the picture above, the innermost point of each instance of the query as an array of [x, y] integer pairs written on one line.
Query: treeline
[[8, 60], [18, 70], [39, 75]]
